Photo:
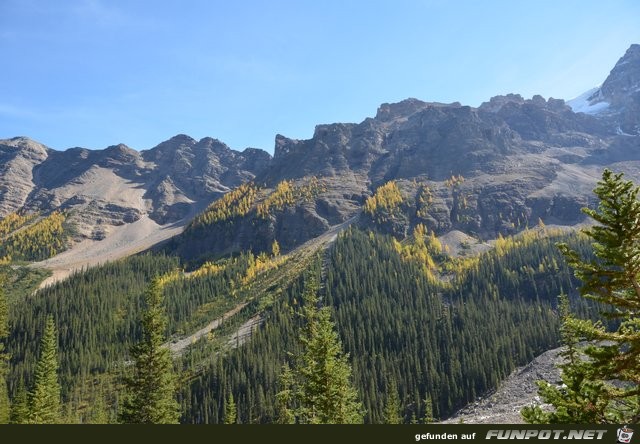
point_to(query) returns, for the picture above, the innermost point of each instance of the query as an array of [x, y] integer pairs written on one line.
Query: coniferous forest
[[433, 344]]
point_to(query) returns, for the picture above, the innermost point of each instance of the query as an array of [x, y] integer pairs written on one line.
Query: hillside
[[432, 230]]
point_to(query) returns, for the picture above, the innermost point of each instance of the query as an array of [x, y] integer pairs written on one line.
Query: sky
[[95, 73]]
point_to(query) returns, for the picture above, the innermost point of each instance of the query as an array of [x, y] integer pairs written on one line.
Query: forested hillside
[[446, 342], [440, 335]]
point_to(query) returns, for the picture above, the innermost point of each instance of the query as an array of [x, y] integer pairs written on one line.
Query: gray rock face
[[18, 157], [118, 185]]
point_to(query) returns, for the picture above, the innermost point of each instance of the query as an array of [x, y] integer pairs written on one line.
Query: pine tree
[[45, 406], [151, 390], [230, 410], [322, 390], [603, 377], [5, 408]]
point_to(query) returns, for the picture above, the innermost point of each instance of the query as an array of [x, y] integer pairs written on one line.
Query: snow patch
[[589, 102]]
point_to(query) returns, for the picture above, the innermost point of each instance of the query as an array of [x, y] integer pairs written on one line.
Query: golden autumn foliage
[[39, 241], [384, 203], [168, 278], [235, 203], [208, 268], [454, 181], [288, 194], [261, 263], [424, 200], [527, 237], [422, 248], [12, 222]]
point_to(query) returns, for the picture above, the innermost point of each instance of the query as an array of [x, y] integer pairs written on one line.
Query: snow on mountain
[[589, 102]]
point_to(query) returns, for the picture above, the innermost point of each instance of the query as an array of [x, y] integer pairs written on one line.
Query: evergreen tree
[[322, 390], [603, 378], [230, 410], [4, 359], [578, 400], [20, 405], [99, 411], [45, 406], [151, 390], [285, 397], [428, 410], [392, 407]]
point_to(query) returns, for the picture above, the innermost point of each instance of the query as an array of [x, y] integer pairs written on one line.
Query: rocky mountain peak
[[120, 152], [624, 79], [391, 111], [284, 146], [214, 145], [497, 102], [617, 101], [167, 149], [26, 145]]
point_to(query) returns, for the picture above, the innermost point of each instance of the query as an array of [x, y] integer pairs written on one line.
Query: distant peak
[[120, 151], [119, 147], [25, 143], [497, 102], [624, 79], [390, 111], [182, 138]]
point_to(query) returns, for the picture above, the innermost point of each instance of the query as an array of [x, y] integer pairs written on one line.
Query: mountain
[[618, 99], [413, 224], [118, 200], [515, 160]]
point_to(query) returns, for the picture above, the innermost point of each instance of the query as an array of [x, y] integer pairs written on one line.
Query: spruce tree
[[5, 408], [230, 410], [602, 378], [45, 406], [20, 405], [392, 407], [151, 390], [321, 388], [285, 398]]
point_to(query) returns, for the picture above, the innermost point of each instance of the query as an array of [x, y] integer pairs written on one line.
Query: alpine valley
[[431, 229]]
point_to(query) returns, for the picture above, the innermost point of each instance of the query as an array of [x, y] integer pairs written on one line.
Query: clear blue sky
[[94, 73]]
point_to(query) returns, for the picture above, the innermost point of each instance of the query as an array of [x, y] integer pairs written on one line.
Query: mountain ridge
[[521, 160]]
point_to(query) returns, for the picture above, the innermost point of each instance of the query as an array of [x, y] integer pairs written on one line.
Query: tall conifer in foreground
[[319, 389], [602, 379], [151, 390], [45, 405]]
